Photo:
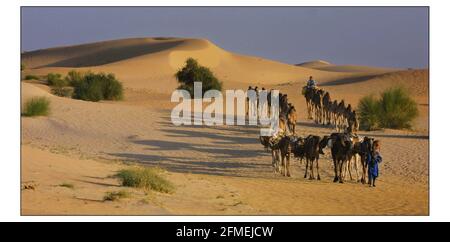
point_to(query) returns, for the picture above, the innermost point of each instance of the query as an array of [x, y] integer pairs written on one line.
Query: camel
[[309, 94], [353, 123], [340, 112], [354, 160], [326, 102], [333, 113], [317, 104], [366, 148], [298, 148], [292, 118], [280, 147], [284, 105], [312, 151], [341, 151]]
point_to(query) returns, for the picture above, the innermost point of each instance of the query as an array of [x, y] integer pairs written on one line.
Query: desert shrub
[[37, 106], [63, 91], [56, 80], [115, 196], [31, 77], [368, 111], [193, 72], [96, 87], [147, 178], [395, 109], [74, 77]]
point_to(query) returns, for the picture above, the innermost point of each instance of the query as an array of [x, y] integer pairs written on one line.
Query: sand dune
[[151, 63], [327, 66], [314, 64], [217, 170]]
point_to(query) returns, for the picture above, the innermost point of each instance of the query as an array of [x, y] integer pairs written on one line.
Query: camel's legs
[[317, 166], [311, 175], [349, 167], [306, 170], [340, 168], [356, 167], [288, 163], [335, 171]]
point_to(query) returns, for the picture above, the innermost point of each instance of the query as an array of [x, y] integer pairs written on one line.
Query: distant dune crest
[[150, 63], [314, 64]]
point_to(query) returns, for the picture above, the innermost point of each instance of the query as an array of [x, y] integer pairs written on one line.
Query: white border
[[9, 99]]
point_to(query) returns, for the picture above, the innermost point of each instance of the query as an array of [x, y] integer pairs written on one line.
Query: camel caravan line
[[327, 112], [348, 151]]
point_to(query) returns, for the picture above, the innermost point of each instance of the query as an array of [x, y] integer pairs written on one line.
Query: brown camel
[[309, 94], [280, 147], [340, 112], [317, 104], [326, 102], [313, 146], [292, 118]]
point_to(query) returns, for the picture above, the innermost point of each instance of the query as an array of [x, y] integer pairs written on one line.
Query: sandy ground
[[216, 170]]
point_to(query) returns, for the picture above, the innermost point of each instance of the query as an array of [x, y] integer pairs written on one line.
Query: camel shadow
[[191, 165], [216, 152]]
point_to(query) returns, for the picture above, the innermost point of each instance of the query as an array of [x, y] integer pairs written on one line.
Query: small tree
[[193, 72]]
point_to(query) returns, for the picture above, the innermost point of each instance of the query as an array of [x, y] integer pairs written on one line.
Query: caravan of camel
[[348, 150]]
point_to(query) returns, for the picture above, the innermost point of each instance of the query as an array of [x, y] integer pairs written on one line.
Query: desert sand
[[216, 170]]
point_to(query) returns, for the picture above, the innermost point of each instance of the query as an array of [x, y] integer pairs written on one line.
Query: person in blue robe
[[373, 159]]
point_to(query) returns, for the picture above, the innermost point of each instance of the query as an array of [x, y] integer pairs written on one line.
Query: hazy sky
[[392, 37]]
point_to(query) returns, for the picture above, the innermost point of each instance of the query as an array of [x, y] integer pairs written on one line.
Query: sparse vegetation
[[37, 106], [147, 178], [63, 91], [395, 109], [87, 86], [194, 72], [116, 195], [31, 77], [67, 185]]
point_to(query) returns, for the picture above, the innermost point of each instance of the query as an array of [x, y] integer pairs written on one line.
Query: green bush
[[193, 72], [395, 109], [37, 106], [22, 66], [368, 112], [96, 87], [56, 80], [31, 77], [147, 178]]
